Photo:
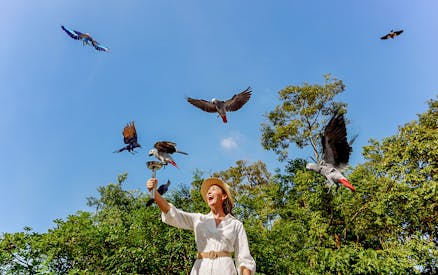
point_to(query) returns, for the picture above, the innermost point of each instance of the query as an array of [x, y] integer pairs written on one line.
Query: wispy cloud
[[229, 143]]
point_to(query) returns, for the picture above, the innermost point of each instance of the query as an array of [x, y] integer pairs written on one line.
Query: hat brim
[[215, 181]]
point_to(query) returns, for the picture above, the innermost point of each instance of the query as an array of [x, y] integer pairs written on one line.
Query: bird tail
[[347, 184], [224, 118], [120, 150], [173, 163]]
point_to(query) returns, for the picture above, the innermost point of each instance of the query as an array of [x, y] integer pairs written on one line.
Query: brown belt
[[213, 254]]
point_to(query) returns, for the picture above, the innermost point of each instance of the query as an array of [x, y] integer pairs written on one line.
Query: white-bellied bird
[[222, 106], [86, 39], [336, 153], [130, 138], [163, 151]]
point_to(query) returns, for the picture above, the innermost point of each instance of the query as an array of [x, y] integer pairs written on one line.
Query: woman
[[217, 234]]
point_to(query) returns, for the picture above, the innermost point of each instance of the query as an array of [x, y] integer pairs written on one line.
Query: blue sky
[[63, 105]]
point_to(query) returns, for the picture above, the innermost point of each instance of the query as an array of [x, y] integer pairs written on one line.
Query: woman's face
[[215, 196]]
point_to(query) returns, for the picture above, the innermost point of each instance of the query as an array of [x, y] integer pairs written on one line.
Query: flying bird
[[130, 138], [85, 38], [220, 106], [163, 151], [391, 34], [162, 189], [336, 153]]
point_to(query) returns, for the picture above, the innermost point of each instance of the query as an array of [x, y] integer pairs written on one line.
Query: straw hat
[[215, 181]]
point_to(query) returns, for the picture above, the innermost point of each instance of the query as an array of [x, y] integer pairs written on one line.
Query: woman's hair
[[227, 206]]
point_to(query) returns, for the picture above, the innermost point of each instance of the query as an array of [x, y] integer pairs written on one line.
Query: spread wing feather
[[129, 133], [73, 34], [165, 146], [336, 149], [99, 46], [238, 100], [202, 104]]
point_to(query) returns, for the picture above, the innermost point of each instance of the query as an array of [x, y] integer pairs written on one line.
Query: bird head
[[152, 152], [214, 100], [312, 166]]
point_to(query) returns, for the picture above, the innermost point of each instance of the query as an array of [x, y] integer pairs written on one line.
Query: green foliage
[[294, 226], [297, 120]]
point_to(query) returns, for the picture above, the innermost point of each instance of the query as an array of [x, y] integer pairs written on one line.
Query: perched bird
[[85, 38], [336, 153], [391, 34], [130, 138], [163, 151], [162, 189], [230, 105]]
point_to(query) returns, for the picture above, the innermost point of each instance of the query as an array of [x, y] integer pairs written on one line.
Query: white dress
[[229, 235]]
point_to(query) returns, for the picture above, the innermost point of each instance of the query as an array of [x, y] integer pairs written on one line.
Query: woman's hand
[[151, 184]]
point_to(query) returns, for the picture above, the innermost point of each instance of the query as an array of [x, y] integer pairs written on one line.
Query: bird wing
[[238, 100], [73, 34], [129, 133], [163, 188], [202, 104], [398, 32], [165, 146], [336, 149], [386, 36], [99, 46]]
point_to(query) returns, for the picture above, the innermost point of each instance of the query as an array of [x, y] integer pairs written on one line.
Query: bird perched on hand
[[391, 34], [220, 106], [162, 189], [336, 153], [85, 38], [163, 151], [130, 138]]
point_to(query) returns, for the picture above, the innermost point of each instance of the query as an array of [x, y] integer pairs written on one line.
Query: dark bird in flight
[[162, 189], [85, 38], [336, 153], [220, 106], [130, 138], [391, 34], [163, 151]]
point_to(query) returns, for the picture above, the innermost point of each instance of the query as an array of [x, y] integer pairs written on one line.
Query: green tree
[[298, 118], [387, 226], [21, 253]]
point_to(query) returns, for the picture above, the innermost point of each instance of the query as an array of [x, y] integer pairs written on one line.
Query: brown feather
[[202, 104], [238, 100], [129, 133]]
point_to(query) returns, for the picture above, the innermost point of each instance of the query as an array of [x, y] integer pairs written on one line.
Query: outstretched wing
[[165, 146], [99, 46], [202, 104], [73, 34], [238, 100], [129, 133], [336, 149], [386, 36], [398, 32]]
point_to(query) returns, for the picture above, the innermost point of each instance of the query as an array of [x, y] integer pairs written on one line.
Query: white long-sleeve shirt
[[229, 235]]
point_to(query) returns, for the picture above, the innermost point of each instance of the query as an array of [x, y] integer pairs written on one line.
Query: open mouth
[[210, 198]]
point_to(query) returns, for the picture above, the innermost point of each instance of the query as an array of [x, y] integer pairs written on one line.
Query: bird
[[130, 138], [336, 153], [220, 106], [162, 189], [163, 151], [391, 34], [85, 38]]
